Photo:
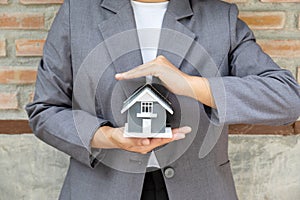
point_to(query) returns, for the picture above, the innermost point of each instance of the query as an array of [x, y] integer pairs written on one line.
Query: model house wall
[[135, 124]]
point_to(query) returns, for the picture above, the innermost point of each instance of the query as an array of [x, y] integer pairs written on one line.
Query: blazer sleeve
[[50, 114], [257, 90]]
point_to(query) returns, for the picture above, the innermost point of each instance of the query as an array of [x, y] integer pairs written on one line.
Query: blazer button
[[169, 172]]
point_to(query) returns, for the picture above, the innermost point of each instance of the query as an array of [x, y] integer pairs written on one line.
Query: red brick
[[297, 127], [3, 1], [25, 47], [41, 1], [14, 75], [22, 21], [2, 48], [281, 48], [8, 101], [280, 1], [264, 20]]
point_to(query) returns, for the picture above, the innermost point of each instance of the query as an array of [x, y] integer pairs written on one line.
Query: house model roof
[[149, 93]]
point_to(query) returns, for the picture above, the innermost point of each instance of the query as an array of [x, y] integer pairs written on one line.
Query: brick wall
[[24, 25], [23, 29]]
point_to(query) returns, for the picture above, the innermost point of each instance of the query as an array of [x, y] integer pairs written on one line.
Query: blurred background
[[265, 160]]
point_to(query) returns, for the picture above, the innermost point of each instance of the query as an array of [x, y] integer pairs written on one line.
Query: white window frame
[[146, 107]]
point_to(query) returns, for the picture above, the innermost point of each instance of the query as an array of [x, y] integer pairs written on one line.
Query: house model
[[147, 114]]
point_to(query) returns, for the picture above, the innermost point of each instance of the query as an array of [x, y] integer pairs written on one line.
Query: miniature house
[[147, 114]]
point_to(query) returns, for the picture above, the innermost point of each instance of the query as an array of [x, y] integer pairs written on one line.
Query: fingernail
[[179, 136]]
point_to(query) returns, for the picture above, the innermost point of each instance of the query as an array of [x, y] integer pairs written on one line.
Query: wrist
[[201, 90], [194, 83], [102, 137]]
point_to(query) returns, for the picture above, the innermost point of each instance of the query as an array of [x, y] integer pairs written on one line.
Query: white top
[[149, 19]]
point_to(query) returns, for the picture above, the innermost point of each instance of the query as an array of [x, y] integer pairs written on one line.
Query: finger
[[140, 71], [135, 74], [137, 141], [120, 76], [179, 136], [145, 142], [155, 142], [123, 142], [184, 130], [179, 133]]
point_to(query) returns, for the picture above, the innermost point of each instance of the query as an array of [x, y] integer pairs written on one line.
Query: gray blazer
[[248, 87]]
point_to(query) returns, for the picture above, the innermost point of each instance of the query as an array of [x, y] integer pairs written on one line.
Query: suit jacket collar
[[122, 20], [113, 5], [117, 30], [179, 8]]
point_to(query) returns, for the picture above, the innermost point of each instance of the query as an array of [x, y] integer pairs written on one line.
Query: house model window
[[146, 107], [147, 114], [146, 110]]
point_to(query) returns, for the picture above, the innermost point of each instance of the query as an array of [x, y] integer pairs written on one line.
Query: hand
[[113, 138], [173, 79]]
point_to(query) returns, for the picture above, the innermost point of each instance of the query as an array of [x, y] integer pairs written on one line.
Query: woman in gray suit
[[204, 56]]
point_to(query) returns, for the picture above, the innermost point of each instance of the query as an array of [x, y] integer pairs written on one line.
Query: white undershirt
[[149, 18]]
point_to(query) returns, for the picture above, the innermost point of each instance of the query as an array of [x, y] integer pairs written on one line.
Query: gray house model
[[147, 114]]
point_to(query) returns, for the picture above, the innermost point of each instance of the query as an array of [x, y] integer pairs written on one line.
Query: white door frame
[[146, 125]]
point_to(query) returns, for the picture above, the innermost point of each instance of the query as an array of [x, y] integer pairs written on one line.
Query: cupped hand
[[140, 145], [172, 78]]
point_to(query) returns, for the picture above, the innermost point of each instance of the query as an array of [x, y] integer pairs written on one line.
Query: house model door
[[146, 125]]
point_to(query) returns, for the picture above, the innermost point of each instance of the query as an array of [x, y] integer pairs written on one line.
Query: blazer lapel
[[120, 35], [121, 40], [176, 39]]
